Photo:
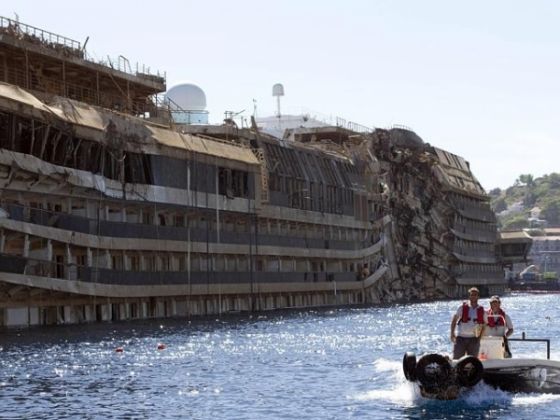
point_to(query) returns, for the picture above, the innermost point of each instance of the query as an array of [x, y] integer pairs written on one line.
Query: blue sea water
[[321, 364]]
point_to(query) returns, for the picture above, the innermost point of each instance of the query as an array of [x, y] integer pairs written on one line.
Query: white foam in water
[[482, 394], [534, 399], [385, 365], [403, 393]]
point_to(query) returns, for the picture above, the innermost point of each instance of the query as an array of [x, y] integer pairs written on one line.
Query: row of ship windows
[[198, 262], [36, 211], [480, 268], [473, 247], [474, 225], [472, 205]]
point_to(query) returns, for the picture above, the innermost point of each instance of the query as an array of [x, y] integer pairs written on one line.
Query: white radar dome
[[187, 96]]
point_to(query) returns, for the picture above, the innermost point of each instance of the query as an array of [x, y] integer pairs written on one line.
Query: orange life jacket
[[495, 320], [479, 314]]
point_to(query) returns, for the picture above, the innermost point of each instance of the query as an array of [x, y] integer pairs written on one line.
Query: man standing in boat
[[470, 319], [499, 323]]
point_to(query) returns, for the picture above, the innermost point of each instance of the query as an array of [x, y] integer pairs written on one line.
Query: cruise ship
[[118, 204]]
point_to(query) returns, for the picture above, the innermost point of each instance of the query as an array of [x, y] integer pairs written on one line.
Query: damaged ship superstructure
[[444, 235], [110, 210]]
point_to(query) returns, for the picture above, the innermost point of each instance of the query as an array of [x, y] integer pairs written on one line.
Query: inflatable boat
[[440, 377]]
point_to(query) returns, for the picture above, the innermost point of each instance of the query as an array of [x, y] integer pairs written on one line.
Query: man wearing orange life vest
[[499, 323], [470, 319]]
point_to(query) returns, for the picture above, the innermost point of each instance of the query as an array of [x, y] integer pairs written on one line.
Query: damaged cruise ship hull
[[110, 211]]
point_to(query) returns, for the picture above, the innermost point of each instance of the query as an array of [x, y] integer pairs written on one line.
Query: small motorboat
[[440, 377]]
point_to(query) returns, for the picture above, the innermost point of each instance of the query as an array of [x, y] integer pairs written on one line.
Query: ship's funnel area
[[187, 103]]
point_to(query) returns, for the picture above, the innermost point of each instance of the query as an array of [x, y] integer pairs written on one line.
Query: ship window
[[225, 182], [24, 133], [4, 130], [82, 155], [165, 262], [117, 262], [179, 220], [260, 262], [134, 171], [182, 262], [134, 262], [147, 217], [150, 263], [94, 163], [81, 261], [59, 266], [203, 263], [240, 184], [242, 263]]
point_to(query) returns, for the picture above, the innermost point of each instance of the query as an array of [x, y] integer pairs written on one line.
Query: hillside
[[530, 202]]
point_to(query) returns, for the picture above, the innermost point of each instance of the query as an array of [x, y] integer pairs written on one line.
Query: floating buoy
[[119, 349], [161, 346]]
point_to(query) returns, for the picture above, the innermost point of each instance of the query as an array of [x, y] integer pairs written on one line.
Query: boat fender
[[409, 366], [469, 371], [433, 371]]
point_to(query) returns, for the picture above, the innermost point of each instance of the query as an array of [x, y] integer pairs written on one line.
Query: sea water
[[307, 364]]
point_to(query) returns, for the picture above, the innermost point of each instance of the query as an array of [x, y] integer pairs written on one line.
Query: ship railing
[[72, 47], [334, 121], [20, 30], [122, 64], [401, 127], [76, 92], [358, 128], [17, 264], [534, 340], [165, 102], [166, 107]]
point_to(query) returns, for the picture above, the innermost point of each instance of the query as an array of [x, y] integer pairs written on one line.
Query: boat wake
[[392, 387]]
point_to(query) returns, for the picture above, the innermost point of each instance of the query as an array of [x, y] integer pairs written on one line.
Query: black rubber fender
[[469, 371], [430, 376], [409, 366]]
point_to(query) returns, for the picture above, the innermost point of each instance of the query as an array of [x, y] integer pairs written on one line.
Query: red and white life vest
[[479, 314], [498, 319]]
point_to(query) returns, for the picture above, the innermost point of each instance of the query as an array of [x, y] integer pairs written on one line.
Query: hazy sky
[[479, 78]]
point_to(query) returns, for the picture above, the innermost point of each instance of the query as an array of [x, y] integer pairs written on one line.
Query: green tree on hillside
[[516, 222], [529, 199], [527, 179], [496, 192], [551, 212], [553, 180], [542, 192], [500, 205]]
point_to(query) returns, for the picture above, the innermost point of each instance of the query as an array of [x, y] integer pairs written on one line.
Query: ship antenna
[[278, 91]]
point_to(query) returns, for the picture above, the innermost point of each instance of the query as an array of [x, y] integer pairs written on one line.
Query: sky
[[480, 79]]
